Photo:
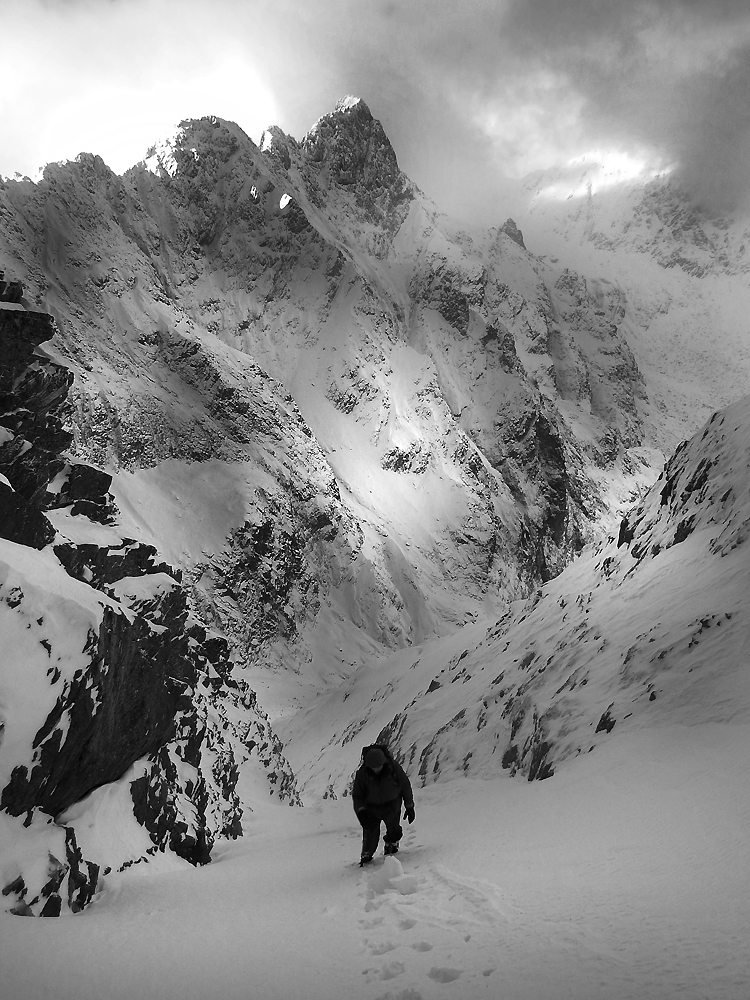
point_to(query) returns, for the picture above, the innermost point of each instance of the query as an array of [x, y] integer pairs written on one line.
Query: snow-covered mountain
[[645, 629], [291, 428], [680, 274]]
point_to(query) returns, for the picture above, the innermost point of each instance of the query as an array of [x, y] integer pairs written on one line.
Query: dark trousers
[[388, 813]]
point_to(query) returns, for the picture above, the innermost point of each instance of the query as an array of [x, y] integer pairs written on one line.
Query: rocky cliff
[[106, 668]]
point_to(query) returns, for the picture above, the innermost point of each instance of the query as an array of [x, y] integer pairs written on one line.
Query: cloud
[[671, 77], [469, 92], [113, 76]]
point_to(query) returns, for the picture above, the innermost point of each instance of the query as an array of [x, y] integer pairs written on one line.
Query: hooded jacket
[[374, 789]]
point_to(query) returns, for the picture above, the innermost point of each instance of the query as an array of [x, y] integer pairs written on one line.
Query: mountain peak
[[188, 141], [350, 146], [350, 103]]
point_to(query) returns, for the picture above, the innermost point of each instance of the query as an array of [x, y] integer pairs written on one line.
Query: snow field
[[624, 877]]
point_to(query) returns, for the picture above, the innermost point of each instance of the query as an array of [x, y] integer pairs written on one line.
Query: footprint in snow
[[443, 974], [402, 995], [392, 969], [406, 924], [422, 946], [458, 899], [381, 949]]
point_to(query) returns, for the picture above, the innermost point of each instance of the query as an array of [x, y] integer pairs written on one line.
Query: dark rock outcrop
[[122, 708], [33, 391], [68, 882], [157, 685], [350, 149], [10, 291], [510, 229], [21, 523]]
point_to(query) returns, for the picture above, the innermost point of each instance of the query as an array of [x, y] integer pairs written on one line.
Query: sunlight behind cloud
[[121, 123], [599, 169]]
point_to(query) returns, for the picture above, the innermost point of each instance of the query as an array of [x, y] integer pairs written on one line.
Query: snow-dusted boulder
[[42, 870]]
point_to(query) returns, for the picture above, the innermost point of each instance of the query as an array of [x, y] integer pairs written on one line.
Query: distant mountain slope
[[650, 628], [427, 362], [680, 274]]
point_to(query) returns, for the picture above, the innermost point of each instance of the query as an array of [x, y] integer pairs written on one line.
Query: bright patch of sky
[[66, 87], [598, 170]]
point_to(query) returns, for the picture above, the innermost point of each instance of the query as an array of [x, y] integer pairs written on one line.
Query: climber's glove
[[409, 813]]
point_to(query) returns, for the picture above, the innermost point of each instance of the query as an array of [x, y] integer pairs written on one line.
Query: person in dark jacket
[[380, 787]]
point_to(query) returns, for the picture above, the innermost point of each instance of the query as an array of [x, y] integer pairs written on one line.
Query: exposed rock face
[[64, 883], [133, 676], [32, 395], [698, 490], [348, 148], [10, 291], [121, 709], [510, 228]]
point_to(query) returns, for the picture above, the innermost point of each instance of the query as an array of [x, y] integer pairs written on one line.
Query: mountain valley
[[290, 462]]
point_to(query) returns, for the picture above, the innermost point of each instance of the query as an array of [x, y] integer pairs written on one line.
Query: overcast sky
[[468, 91]]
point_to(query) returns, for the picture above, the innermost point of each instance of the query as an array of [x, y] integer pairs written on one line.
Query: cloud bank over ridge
[[468, 92]]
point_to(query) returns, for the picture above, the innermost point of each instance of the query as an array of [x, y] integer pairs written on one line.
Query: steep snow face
[[680, 275], [473, 409], [642, 630], [412, 351]]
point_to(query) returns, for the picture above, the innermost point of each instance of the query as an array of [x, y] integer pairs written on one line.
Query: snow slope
[[647, 627], [680, 275], [624, 877]]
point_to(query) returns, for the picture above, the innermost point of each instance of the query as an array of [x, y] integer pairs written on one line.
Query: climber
[[380, 787]]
